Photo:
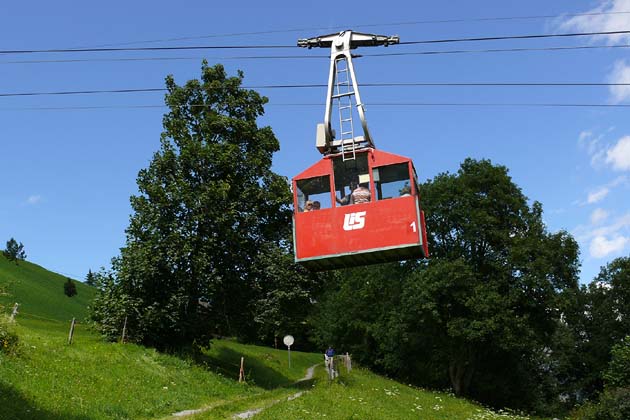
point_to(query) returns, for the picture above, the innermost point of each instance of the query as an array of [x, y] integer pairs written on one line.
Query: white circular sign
[[288, 340]]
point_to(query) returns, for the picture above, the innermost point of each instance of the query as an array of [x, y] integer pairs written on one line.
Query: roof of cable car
[[377, 157]]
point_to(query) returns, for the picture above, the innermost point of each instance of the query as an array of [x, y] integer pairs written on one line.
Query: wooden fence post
[[241, 373], [124, 331], [14, 312], [71, 333]]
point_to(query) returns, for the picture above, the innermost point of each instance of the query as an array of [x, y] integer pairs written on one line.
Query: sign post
[[288, 341]]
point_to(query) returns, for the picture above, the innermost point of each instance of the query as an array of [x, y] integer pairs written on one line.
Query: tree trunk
[[460, 371]]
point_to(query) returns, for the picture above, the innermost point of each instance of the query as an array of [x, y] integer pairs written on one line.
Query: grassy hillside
[[40, 292], [93, 380]]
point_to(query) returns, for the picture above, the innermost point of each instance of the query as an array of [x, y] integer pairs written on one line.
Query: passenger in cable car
[[316, 205], [359, 194], [308, 206]]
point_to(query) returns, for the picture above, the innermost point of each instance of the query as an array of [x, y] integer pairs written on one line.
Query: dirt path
[[251, 413], [309, 373]]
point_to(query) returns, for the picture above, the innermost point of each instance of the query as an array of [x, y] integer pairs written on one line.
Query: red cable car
[[358, 205]]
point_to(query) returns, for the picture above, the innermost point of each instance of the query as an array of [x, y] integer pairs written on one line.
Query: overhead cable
[[237, 47], [299, 57], [496, 50], [511, 37], [315, 85], [375, 104], [390, 24]]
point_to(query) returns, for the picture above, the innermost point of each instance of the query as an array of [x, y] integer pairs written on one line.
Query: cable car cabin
[[357, 211]]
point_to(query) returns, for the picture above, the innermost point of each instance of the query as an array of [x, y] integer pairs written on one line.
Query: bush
[[69, 288], [8, 338], [614, 404]]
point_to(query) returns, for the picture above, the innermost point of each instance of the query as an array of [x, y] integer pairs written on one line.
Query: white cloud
[[598, 159], [593, 143], [620, 226], [619, 155], [602, 192], [597, 195], [598, 216], [601, 246], [620, 74], [594, 21], [584, 135], [34, 199]]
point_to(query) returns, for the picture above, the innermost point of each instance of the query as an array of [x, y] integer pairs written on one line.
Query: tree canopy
[[480, 313], [14, 251], [69, 288], [209, 211]]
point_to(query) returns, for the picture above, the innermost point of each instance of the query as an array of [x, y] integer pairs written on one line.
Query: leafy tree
[[14, 251], [481, 314], [490, 297], [90, 279], [614, 402], [603, 322], [207, 205], [284, 296], [111, 305], [69, 288], [618, 373], [359, 311]]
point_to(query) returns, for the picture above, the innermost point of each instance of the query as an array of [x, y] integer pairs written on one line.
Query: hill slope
[[40, 292], [93, 380]]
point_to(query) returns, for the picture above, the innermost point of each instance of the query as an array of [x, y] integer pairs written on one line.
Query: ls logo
[[353, 221]]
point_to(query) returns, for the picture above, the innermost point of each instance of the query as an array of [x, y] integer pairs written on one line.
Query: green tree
[[14, 251], [482, 315], [112, 304], [604, 320], [618, 373], [90, 279], [69, 288], [207, 205], [283, 297], [490, 297]]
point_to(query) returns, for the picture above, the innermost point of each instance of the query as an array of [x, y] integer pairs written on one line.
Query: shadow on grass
[[15, 406], [228, 362]]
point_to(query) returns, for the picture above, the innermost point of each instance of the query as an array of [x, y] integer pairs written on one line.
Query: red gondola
[[358, 205]]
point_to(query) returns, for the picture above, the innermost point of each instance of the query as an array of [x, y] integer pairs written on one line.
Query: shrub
[[8, 338], [69, 288], [614, 404]]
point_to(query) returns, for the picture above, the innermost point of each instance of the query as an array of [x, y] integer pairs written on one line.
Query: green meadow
[[92, 379]]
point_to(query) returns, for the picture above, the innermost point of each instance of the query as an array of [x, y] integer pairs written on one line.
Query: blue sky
[[69, 163]]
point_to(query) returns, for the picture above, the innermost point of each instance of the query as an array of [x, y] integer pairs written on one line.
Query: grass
[[93, 380], [40, 292], [363, 395], [264, 367]]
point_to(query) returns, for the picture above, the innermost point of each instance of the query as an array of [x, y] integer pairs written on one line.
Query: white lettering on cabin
[[353, 221]]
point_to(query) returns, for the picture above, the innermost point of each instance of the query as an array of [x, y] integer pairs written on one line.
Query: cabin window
[[313, 193], [352, 180], [392, 181]]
